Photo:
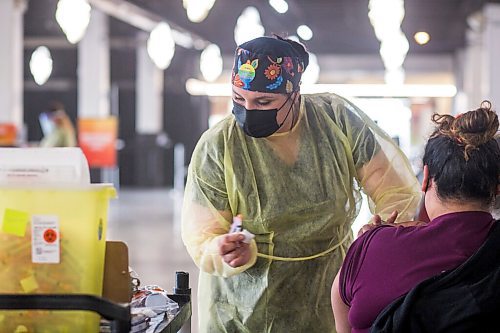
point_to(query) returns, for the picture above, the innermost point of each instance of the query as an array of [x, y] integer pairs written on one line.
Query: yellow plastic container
[[82, 214]]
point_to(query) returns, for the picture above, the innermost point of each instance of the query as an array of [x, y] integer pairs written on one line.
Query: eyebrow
[[234, 92], [257, 98]]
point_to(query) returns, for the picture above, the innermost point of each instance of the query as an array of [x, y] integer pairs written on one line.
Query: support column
[[472, 73], [11, 62], [491, 53], [480, 66], [149, 92], [473, 68], [93, 69], [94, 95], [150, 141]]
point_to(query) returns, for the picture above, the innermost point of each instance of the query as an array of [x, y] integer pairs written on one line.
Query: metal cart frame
[[117, 314]]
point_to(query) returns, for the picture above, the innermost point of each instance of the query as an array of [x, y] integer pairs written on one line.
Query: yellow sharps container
[[52, 240]]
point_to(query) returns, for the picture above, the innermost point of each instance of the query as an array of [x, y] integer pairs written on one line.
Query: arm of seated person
[[340, 309]]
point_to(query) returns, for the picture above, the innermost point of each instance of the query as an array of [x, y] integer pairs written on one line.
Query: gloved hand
[[377, 221], [233, 250]]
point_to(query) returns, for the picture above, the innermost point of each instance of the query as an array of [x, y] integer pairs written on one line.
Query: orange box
[[97, 139], [8, 134]]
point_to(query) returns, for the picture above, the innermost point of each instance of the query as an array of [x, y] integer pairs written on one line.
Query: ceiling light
[[248, 26], [281, 6], [197, 10], [476, 21], [304, 32], [393, 50], [41, 65], [211, 62], [73, 16], [161, 45], [386, 17], [422, 37], [395, 76]]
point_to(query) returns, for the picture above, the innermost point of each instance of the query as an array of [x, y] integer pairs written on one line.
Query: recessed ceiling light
[[422, 37], [304, 32], [281, 6]]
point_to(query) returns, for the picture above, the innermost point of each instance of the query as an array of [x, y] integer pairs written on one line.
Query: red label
[[50, 235]]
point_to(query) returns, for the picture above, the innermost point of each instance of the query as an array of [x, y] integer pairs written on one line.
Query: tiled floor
[[148, 220]]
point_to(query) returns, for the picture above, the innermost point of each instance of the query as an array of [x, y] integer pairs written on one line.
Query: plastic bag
[[151, 309]]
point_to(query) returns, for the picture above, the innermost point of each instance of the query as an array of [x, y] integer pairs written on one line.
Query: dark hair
[[298, 47], [55, 106], [463, 156], [496, 204]]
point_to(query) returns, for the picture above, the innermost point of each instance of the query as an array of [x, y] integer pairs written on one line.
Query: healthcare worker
[[293, 166]]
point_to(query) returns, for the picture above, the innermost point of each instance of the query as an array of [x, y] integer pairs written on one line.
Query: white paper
[[45, 240]]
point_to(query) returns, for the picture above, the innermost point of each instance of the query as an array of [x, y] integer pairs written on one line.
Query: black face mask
[[259, 123]]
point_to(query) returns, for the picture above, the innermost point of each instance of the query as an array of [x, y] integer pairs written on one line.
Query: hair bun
[[470, 129], [477, 127]]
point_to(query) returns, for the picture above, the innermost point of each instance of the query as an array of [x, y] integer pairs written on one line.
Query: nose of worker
[[260, 123]]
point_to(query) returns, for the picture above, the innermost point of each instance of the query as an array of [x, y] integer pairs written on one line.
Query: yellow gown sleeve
[[389, 186], [206, 213], [383, 171]]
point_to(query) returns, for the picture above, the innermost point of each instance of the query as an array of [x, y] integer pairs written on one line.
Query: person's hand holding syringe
[[234, 247]]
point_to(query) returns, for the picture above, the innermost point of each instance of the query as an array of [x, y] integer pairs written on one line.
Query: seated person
[[61, 132], [461, 179], [496, 206]]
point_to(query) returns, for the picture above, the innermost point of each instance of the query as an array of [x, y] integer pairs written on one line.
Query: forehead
[[248, 94]]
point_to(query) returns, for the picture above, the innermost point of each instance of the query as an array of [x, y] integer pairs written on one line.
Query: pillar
[[11, 62]]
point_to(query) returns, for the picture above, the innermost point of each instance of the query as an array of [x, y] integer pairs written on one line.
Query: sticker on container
[[29, 284], [45, 241], [21, 329], [15, 222]]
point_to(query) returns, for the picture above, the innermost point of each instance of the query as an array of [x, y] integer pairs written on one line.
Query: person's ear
[[425, 180]]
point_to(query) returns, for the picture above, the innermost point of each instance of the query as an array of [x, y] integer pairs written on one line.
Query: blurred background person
[[57, 127]]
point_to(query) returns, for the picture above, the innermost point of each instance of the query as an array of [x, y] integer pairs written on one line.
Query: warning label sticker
[[45, 241]]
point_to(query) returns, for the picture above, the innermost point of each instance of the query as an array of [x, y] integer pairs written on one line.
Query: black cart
[[118, 314]]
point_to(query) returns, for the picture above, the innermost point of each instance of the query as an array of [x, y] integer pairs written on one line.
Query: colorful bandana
[[268, 65]]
